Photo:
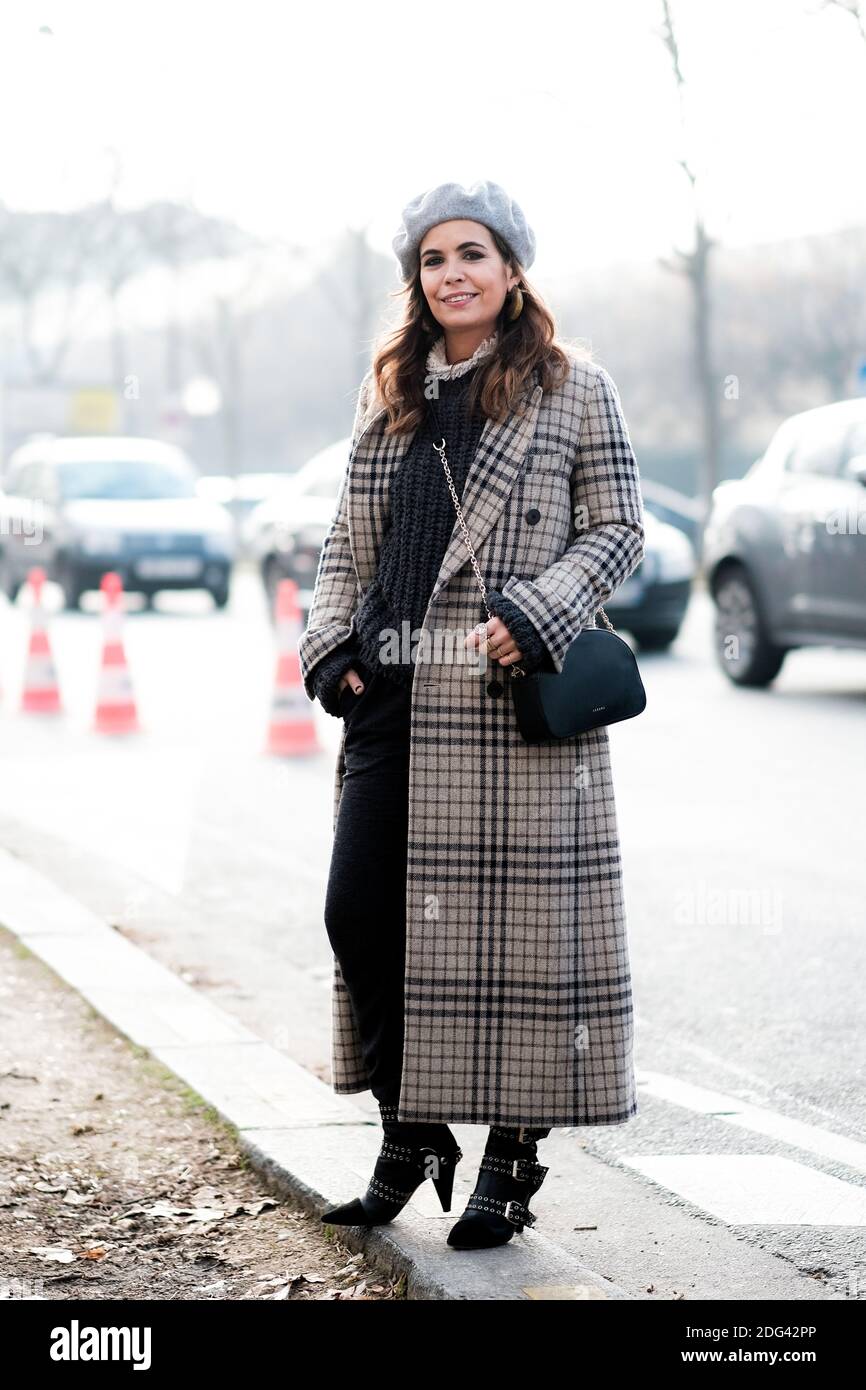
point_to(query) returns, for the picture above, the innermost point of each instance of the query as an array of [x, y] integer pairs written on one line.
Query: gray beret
[[483, 202]]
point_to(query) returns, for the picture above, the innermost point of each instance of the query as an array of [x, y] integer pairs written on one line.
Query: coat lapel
[[489, 480]]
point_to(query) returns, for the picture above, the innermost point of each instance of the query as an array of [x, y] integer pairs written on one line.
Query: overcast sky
[[298, 120]]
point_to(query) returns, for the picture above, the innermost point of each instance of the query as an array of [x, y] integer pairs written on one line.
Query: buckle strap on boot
[[417, 1154], [524, 1170], [518, 1134], [514, 1211], [378, 1188], [404, 1153]]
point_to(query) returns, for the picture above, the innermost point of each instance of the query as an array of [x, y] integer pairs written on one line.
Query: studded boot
[[410, 1154], [507, 1177]]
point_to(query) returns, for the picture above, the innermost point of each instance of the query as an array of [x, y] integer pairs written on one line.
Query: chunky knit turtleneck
[[420, 524]]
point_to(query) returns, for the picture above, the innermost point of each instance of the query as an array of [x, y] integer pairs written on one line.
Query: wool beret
[[483, 202]]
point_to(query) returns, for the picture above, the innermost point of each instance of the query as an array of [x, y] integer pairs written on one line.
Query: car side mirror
[[856, 468]]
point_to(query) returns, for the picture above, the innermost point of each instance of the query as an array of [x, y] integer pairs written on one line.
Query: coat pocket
[[534, 526], [544, 460], [545, 517]]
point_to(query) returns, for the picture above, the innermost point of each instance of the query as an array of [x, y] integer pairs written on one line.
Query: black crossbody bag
[[599, 682]]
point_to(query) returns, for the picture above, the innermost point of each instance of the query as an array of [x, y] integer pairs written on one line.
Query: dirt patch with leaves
[[117, 1182]]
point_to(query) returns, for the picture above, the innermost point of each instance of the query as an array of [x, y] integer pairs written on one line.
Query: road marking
[[759, 1086], [756, 1189], [755, 1118]]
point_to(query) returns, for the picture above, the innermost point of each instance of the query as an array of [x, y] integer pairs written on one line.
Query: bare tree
[[218, 343], [855, 8], [42, 253], [357, 294], [694, 265], [117, 250], [178, 235]]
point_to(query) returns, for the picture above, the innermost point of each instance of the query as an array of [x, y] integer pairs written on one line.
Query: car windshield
[[125, 480]]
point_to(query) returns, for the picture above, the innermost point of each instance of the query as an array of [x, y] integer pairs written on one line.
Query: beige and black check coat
[[518, 1003]]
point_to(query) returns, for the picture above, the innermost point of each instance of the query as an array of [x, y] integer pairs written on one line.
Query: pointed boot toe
[[475, 1232], [348, 1214], [409, 1154]]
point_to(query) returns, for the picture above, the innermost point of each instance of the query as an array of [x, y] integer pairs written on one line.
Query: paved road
[[742, 825]]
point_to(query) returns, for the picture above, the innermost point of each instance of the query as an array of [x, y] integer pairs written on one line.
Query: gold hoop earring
[[515, 308]]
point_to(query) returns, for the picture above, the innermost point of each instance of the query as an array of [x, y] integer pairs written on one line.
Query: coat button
[[495, 688], [533, 515]]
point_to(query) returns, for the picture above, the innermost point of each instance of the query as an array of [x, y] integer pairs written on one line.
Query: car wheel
[[656, 639], [751, 659], [220, 596]]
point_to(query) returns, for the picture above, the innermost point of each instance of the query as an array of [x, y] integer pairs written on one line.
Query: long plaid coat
[[518, 1006]]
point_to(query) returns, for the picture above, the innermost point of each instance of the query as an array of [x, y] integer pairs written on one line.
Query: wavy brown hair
[[527, 345]]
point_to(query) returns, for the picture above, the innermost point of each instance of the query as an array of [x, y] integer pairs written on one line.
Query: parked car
[[285, 533], [785, 546], [242, 494], [669, 504], [652, 602], [78, 506]]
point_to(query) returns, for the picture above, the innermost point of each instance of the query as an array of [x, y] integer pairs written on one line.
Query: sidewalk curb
[[301, 1137]]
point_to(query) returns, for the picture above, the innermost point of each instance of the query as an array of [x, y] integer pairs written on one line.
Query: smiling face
[[464, 280]]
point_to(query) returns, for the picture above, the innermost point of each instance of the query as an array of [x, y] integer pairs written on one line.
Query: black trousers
[[365, 902]]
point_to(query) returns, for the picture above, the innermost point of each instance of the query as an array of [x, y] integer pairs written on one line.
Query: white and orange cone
[[293, 727], [115, 706], [40, 693]]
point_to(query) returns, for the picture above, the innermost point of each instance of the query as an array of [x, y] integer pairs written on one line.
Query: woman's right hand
[[352, 679]]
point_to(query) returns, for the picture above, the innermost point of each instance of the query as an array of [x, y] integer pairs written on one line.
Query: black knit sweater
[[422, 519]]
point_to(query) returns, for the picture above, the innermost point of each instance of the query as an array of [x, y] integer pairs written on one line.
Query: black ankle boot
[[507, 1178], [410, 1153]]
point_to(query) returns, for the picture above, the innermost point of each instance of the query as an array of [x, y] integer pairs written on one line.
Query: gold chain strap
[[516, 670]]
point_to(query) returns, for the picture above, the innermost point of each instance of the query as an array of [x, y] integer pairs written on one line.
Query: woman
[[474, 903]]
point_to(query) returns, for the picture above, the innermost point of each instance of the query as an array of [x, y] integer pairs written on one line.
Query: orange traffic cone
[[40, 693], [115, 706], [293, 728]]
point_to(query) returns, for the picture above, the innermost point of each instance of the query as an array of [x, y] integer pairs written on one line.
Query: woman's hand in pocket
[[352, 679]]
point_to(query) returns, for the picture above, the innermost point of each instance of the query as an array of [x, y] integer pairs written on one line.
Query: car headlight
[[218, 543], [101, 542], [675, 559]]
